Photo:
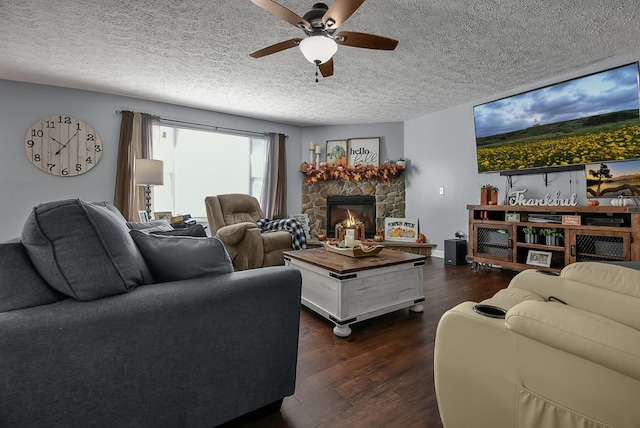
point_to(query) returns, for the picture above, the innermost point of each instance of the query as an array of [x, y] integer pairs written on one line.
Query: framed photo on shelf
[[144, 217], [539, 258], [365, 151], [163, 215], [337, 153]]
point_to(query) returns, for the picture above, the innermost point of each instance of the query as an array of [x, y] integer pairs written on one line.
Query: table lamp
[[149, 172]]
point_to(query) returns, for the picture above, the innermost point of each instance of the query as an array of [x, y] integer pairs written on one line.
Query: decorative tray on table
[[361, 250]]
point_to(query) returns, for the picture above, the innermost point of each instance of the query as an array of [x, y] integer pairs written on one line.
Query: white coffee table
[[346, 290]]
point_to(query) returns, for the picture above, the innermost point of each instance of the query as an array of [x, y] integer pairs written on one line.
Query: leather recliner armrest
[[587, 335], [243, 242], [234, 233]]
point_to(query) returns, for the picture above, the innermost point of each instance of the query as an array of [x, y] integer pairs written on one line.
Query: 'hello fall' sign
[[517, 197], [364, 151]]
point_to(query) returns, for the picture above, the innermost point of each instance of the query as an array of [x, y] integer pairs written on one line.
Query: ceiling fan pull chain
[[317, 67]]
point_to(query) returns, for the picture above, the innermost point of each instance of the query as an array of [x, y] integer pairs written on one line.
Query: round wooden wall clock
[[63, 145]]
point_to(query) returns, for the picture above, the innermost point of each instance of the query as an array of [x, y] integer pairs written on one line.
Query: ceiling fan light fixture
[[318, 49]]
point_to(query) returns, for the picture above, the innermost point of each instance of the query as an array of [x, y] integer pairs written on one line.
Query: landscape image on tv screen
[[589, 119]]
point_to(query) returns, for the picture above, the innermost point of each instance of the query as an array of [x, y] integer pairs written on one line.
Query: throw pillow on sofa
[[20, 285], [174, 258], [83, 250]]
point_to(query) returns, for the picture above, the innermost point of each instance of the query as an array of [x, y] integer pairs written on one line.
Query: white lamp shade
[[318, 49], [149, 172]]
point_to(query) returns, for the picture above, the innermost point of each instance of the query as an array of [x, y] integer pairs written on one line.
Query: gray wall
[[391, 137], [23, 186], [440, 148]]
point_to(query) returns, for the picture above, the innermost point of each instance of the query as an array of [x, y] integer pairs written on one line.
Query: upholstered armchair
[[564, 352], [232, 219]]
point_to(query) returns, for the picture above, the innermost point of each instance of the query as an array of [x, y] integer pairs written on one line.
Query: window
[[200, 163]]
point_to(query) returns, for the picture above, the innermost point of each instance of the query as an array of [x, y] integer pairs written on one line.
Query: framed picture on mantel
[[337, 153], [365, 151]]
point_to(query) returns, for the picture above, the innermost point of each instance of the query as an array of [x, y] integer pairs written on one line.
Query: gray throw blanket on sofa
[[291, 225]]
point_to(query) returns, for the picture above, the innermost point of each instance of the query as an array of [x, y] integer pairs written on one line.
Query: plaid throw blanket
[[291, 225]]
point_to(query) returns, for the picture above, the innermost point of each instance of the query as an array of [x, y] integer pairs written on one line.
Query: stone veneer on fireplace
[[390, 198]]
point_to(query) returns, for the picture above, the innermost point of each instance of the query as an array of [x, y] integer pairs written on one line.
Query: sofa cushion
[[239, 208], [83, 250], [174, 258], [20, 284]]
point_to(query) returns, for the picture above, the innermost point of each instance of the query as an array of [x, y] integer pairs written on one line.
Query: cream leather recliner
[[232, 219], [567, 353]]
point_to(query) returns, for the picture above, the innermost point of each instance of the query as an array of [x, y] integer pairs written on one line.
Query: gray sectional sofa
[[104, 327]]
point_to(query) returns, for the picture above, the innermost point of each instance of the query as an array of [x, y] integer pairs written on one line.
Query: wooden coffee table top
[[341, 264]]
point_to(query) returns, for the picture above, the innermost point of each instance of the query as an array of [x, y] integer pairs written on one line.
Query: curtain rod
[[222, 128]]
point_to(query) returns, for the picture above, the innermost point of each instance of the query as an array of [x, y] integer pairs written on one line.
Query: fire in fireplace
[[350, 209]]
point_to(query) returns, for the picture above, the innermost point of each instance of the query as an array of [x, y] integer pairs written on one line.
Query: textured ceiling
[[196, 53]]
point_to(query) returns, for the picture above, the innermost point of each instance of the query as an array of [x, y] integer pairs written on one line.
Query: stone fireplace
[[389, 200]]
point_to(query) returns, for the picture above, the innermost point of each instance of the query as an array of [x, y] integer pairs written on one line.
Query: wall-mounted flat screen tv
[[594, 118]]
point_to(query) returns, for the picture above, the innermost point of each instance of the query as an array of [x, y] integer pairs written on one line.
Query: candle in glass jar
[[349, 237]]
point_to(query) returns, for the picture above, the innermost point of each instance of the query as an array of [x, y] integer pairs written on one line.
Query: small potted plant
[[530, 235], [552, 236]]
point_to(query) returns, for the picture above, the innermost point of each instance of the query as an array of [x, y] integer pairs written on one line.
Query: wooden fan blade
[[291, 43], [326, 68], [364, 40], [339, 12], [282, 13]]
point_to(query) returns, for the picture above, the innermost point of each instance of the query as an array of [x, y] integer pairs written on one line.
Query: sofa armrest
[[210, 348], [243, 242], [234, 233], [474, 369], [583, 334]]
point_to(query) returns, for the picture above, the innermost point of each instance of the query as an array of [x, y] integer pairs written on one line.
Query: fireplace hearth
[[347, 209]]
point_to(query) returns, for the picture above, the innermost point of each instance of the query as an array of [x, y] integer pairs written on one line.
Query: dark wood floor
[[382, 375]]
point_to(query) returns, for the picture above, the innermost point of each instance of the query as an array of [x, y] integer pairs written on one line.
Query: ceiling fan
[[320, 25]]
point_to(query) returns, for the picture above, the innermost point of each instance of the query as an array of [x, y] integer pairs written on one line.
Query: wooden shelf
[[577, 242]]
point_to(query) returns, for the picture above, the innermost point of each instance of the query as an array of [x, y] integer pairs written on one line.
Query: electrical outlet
[[441, 190]]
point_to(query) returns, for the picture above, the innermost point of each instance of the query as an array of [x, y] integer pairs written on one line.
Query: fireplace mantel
[[385, 173]]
